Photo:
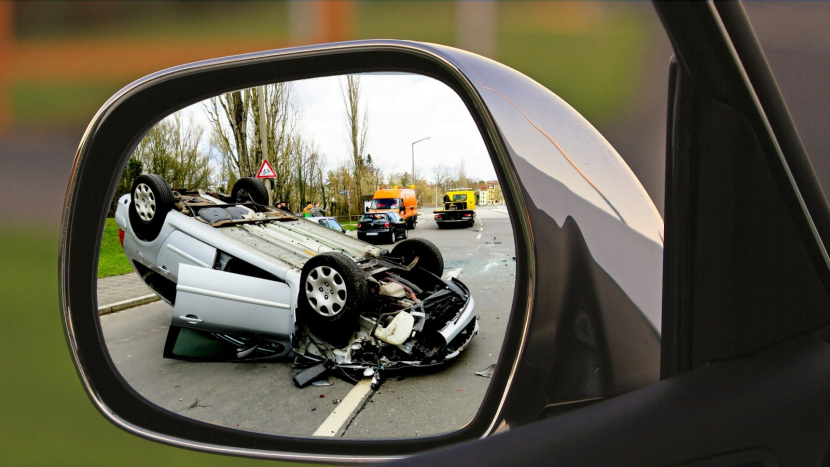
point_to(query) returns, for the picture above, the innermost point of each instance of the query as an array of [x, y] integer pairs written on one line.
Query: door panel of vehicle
[[180, 248], [224, 302]]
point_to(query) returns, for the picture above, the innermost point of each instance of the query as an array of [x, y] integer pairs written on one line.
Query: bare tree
[[237, 119], [440, 174], [228, 115], [357, 123], [374, 170], [171, 149], [461, 179]]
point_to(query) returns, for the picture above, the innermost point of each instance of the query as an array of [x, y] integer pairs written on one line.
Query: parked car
[[381, 227], [329, 222], [243, 273]]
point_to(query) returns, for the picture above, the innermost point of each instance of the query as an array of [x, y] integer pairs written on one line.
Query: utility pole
[[263, 137]]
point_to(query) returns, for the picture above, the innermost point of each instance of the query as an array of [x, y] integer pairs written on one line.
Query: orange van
[[399, 200]]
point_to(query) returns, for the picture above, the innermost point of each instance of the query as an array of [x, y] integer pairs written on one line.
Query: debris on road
[[487, 372], [306, 376]]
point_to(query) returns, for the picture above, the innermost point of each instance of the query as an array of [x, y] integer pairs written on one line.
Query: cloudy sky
[[402, 108]]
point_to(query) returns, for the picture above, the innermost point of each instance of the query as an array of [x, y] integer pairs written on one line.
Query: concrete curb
[[123, 305]]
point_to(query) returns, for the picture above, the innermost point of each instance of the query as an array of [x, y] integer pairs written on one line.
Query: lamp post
[[413, 156]]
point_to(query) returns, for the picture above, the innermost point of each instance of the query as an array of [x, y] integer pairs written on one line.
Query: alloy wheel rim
[[145, 202], [326, 291]]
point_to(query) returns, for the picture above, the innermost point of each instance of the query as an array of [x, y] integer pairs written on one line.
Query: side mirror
[[573, 272]]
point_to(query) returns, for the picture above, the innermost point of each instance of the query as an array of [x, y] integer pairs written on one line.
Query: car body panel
[[218, 301], [179, 248], [571, 171]]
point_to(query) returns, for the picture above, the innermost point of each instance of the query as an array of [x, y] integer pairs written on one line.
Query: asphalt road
[[262, 397]]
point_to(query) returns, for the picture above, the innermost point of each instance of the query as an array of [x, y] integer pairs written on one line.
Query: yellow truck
[[459, 208]]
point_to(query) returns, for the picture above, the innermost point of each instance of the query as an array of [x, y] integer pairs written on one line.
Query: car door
[[221, 302], [397, 224]]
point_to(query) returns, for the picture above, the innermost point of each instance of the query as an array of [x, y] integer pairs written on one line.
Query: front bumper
[[369, 234], [452, 221], [461, 320]]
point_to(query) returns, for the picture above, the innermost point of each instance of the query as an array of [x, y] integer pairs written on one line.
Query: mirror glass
[[327, 257]]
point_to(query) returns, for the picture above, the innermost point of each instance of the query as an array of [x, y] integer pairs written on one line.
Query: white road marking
[[479, 236], [344, 409], [481, 229], [452, 274]]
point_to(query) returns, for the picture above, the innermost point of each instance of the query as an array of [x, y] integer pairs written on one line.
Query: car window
[[384, 203], [461, 197], [323, 222], [335, 225]]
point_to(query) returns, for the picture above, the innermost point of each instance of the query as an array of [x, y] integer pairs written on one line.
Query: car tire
[[333, 315], [151, 200], [429, 256], [392, 237], [249, 188]]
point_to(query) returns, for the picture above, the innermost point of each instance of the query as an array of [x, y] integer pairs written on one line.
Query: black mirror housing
[[588, 255]]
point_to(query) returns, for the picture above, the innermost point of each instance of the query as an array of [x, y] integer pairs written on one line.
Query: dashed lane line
[[331, 426]]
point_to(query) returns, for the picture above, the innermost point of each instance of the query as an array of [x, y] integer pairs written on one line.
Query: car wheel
[[151, 200], [333, 293], [392, 237], [247, 189], [429, 256], [405, 234]]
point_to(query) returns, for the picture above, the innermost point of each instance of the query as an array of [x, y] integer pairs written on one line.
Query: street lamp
[[413, 156]]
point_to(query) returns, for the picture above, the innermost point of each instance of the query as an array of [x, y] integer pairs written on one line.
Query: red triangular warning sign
[[265, 170]]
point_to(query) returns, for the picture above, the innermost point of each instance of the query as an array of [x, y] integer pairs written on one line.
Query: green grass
[[56, 101], [112, 261], [47, 417], [349, 225]]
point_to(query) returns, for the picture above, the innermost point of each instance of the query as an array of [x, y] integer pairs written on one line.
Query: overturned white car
[[250, 282]]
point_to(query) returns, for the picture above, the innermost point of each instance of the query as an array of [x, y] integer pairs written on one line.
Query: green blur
[[112, 261], [47, 417]]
